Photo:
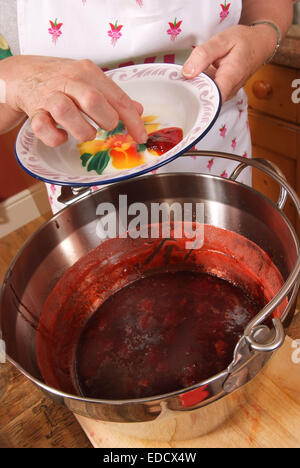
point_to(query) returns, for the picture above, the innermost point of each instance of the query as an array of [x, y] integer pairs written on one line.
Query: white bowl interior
[[175, 105]]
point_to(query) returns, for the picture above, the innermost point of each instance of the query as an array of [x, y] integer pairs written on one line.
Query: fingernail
[[189, 69]]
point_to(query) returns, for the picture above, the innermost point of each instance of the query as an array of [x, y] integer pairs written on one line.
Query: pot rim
[[134, 401]]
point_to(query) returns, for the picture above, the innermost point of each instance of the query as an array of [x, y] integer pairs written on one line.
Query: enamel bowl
[[168, 99]]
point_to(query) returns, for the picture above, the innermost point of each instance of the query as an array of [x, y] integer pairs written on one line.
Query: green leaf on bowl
[[99, 162], [142, 148], [85, 157]]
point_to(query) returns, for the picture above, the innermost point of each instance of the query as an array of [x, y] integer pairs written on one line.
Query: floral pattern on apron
[[116, 33]]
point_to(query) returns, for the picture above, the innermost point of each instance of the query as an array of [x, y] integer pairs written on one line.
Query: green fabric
[[4, 48]]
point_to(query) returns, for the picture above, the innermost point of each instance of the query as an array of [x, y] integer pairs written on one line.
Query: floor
[[28, 418]]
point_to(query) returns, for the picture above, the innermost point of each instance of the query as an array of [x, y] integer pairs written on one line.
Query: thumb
[[205, 55]]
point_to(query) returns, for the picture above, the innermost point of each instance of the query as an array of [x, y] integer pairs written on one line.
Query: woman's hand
[[232, 56], [53, 91]]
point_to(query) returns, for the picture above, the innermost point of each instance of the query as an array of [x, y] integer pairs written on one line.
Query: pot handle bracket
[[283, 193], [69, 195], [276, 341], [256, 346], [251, 353]]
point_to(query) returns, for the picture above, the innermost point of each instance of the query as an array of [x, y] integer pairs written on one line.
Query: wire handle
[[283, 193], [294, 278]]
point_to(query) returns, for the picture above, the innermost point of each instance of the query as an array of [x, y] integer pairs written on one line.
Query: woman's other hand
[[232, 56], [55, 91]]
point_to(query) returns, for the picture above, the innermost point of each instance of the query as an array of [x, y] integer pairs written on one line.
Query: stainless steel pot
[[71, 234]]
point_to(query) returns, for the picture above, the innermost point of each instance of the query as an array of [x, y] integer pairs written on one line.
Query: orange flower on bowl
[[118, 148], [124, 152]]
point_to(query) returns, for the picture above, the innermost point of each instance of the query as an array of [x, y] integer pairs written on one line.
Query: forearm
[[9, 118], [279, 12]]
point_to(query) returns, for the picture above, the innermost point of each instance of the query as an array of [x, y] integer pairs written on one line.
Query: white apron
[[116, 33]]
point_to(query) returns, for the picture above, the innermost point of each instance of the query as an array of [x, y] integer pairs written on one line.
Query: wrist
[[270, 36]]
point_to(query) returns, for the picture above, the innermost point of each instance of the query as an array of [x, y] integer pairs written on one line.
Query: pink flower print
[[53, 189], [154, 171], [247, 124], [225, 11], [224, 175], [174, 30], [193, 149], [234, 143], [210, 164], [95, 188], [223, 131], [245, 155], [115, 32], [239, 104], [51, 200], [55, 30], [84, 2], [139, 2]]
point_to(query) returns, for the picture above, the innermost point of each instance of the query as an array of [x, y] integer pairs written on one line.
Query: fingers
[[66, 113], [109, 105], [232, 73], [127, 109], [139, 107], [229, 56], [82, 88], [61, 109], [93, 103], [131, 117], [45, 129], [105, 103]]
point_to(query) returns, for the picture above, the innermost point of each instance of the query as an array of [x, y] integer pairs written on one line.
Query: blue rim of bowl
[[137, 173]]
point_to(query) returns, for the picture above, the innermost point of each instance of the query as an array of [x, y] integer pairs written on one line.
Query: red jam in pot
[[137, 318], [164, 140], [161, 333]]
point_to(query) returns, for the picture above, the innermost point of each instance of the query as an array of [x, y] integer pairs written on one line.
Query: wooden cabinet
[[275, 128]]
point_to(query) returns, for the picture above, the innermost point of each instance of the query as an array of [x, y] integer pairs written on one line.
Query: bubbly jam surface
[[164, 140], [161, 333]]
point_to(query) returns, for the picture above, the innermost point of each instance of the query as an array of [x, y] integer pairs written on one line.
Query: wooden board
[[267, 415]]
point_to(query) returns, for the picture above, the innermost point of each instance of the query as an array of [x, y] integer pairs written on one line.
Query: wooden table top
[[28, 418]]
